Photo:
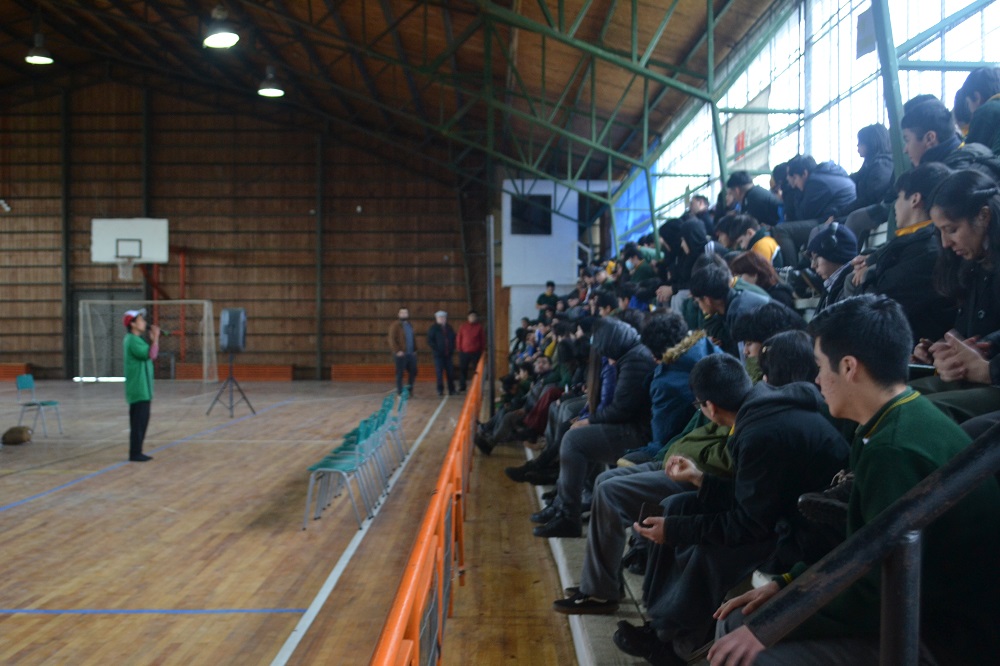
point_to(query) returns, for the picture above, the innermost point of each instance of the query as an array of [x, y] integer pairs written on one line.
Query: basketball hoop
[[125, 265]]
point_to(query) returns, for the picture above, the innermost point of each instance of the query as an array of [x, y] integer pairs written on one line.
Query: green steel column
[[720, 140], [652, 211], [890, 80]]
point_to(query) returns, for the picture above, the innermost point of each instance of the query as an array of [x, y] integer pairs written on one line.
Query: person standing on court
[[403, 344], [471, 342], [441, 340], [139, 357]]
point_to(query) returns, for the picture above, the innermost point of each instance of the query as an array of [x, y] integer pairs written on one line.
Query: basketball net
[[125, 266]]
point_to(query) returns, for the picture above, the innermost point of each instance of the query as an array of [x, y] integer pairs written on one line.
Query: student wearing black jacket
[[781, 446], [966, 212], [754, 200], [903, 268], [607, 433], [827, 190], [874, 179]]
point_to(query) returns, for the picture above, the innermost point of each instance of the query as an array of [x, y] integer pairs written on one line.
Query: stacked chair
[[366, 456]]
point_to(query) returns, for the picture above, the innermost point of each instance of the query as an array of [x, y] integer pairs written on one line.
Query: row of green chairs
[[367, 455]]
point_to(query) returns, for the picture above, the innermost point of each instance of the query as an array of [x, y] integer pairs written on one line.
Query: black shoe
[[142, 457], [643, 642], [635, 560], [484, 443], [561, 526], [549, 495], [518, 474], [822, 509], [545, 515], [541, 478], [582, 604], [452, 393]]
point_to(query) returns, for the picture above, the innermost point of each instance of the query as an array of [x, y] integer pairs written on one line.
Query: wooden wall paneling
[[30, 237]]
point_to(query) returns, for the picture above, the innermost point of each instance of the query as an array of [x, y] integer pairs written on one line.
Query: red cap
[[130, 316]]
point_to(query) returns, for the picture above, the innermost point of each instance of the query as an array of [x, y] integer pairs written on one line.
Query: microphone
[[165, 333]]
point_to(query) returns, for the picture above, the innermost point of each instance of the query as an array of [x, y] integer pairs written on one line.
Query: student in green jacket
[[862, 350], [139, 357]]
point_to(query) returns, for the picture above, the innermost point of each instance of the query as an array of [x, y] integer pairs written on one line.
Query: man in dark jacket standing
[[608, 433], [781, 446], [441, 340]]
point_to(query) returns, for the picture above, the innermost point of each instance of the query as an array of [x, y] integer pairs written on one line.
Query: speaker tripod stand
[[233, 385]]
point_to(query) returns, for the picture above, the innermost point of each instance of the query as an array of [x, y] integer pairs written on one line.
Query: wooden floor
[[197, 557], [503, 614]]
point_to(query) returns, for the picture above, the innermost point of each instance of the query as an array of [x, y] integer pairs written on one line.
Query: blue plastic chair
[[26, 384]]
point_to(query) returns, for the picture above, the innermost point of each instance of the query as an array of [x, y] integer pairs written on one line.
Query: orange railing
[[413, 631]]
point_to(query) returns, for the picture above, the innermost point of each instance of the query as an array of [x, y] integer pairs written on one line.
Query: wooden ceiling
[[562, 88]]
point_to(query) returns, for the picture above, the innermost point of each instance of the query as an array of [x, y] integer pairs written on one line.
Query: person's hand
[[748, 601], [683, 470], [922, 352], [860, 268], [738, 648], [664, 293], [579, 423], [961, 360], [652, 530], [154, 331], [399, 353]]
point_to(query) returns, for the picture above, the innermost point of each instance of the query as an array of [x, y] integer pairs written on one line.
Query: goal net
[[187, 341]]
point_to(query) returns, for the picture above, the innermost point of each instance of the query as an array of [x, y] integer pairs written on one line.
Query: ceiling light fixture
[[221, 34], [38, 54], [270, 87]]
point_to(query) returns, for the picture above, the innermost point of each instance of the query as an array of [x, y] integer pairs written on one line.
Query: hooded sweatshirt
[[781, 447], [616, 340], [829, 191]]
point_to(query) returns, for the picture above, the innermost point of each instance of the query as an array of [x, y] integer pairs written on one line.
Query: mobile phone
[[649, 510]]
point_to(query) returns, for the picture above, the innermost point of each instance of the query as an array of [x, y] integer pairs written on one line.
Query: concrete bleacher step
[[592, 633]]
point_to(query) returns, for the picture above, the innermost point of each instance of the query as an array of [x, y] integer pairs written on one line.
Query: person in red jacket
[[470, 344]]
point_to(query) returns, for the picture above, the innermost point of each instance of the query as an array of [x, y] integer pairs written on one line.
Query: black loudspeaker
[[233, 330]]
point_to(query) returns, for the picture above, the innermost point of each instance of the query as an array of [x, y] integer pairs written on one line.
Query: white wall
[[529, 261]]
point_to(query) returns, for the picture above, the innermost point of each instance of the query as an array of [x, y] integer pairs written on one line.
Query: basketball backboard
[[139, 240]]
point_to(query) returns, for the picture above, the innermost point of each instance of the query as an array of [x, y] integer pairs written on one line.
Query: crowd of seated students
[[681, 377]]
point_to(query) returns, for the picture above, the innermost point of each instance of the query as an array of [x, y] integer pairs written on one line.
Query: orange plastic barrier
[[439, 552]]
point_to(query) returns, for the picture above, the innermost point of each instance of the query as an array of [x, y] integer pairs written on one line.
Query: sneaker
[[545, 515], [543, 478], [582, 604], [643, 642], [562, 526], [484, 443], [518, 474]]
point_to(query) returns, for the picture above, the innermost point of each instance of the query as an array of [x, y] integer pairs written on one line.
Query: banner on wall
[[746, 137]]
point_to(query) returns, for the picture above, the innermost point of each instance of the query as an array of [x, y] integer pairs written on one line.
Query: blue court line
[[145, 611], [14, 505]]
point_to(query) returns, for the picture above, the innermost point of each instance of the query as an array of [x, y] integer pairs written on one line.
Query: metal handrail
[[893, 538]]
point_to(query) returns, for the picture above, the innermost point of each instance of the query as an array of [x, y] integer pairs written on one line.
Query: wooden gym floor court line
[[197, 557]]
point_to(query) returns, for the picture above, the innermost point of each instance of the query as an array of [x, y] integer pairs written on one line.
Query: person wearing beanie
[[753, 200], [832, 250]]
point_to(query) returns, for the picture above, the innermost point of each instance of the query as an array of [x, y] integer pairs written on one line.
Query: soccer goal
[[187, 341]]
